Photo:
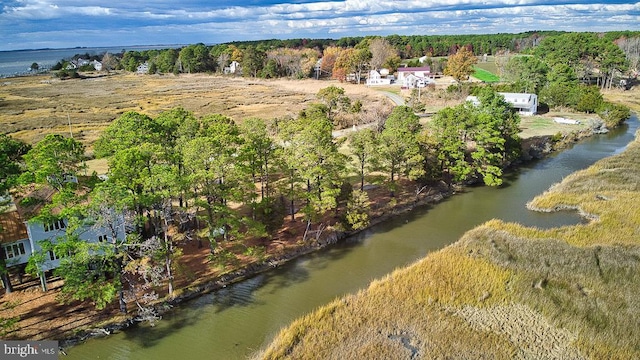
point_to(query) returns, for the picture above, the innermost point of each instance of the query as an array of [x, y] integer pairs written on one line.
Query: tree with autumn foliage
[[329, 56], [351, 61], [460, 65]]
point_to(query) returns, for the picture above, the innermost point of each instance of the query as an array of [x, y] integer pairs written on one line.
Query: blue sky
[[28, 24]]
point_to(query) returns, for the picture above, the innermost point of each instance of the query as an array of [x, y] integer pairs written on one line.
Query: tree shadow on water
[[195, 310], [146, 335]]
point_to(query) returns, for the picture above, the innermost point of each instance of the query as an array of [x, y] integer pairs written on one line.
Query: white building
[[376, 79], [410, 77], [143, 68], [411, 81], [96, 65], [82, 62], [232, 68], [526, 104]]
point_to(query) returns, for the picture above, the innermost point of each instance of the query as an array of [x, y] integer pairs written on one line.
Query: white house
[[232, 68], [410, 76], [411, 81], [96, 65], [143, 68], [526, 104], [82, 62], [375, 79]]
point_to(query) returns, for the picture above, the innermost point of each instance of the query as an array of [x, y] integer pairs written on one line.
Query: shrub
[[613, 114], [87, 67], [589, 99], [28, 201], [357, 210]]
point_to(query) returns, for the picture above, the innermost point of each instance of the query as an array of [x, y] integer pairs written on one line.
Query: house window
[[13, 250], [52, 255], [56, 225], [102, 238]]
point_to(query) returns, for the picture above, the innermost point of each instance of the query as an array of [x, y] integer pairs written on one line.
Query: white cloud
[[43, 10], [215, 23]]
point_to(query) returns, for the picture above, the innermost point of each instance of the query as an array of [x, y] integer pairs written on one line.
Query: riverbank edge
[[534, 148]]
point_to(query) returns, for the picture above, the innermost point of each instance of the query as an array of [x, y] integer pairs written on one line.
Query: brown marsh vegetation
[[31, 107], [504, 291]]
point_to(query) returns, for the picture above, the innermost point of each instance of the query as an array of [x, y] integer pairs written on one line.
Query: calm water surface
[[19, 61], [237, 321]]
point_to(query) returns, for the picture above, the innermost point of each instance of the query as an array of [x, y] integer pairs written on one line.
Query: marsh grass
[[34, 106], [504, 290]]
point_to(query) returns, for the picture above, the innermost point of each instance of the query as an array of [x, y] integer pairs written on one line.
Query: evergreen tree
[[363, 145], [53, 159], [399, 150]]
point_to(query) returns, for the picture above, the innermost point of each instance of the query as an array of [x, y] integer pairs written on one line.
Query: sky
[[33, 24]]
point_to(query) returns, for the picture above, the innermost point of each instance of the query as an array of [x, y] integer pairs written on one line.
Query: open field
[[485, 75], [630, 98], [543, 125], [504, 291], [489, 65], [31, 107]]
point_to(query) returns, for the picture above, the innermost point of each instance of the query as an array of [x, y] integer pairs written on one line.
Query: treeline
[[300, 58]]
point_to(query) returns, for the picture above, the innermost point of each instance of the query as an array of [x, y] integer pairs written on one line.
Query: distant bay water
[[18, 62]]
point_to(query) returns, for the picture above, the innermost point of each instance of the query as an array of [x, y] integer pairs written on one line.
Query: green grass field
[[484, 75]]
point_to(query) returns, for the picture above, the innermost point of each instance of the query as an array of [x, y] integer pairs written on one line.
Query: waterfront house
[[82, 62], [526, 104], [14, 239], [96, 65], [22, 235]]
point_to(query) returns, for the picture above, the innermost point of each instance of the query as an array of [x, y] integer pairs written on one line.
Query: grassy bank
[[503, 290]]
